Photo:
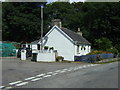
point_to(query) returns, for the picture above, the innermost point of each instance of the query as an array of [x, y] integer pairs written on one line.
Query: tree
[[21, 21], [113, 50], [96, 20], [103, 44]]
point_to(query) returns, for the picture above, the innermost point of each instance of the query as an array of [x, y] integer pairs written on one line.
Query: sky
[[56, 0], [69, 0]]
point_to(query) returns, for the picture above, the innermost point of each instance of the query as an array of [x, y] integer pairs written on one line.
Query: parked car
[[28, 52]]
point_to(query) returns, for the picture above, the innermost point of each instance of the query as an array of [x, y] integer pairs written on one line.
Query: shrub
[[45, 47], [113, 50], [51, 48], [59, 58], [98, 52]]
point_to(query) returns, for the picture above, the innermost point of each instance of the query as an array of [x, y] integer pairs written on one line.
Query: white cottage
[[67, 43]]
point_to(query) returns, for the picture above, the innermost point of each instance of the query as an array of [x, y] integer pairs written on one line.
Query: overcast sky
[[69, 0], [56, 0]]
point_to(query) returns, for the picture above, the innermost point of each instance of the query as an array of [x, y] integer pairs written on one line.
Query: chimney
[[79, 32], [57, 22]]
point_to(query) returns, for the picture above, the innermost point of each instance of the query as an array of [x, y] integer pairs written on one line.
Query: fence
[[92, 58]]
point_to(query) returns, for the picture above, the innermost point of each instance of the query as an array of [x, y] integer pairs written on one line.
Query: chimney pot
[[79, 32], [78, 29], [57, 22]]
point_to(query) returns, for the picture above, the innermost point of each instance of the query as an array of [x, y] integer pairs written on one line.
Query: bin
[[34, 57], [23, 54]]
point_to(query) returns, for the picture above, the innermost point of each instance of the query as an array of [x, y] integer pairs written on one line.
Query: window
[[88, 48], [38, 46], [84, 48], [77, 48]]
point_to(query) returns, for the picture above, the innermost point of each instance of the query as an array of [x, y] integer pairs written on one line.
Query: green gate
[[7, 50]]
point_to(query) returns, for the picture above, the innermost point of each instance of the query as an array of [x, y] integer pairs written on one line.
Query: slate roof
[[74, 36], [35, 42]]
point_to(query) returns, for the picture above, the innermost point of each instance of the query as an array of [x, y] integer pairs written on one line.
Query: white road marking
[[29, 78], [49, 72], [84, 66], [58, 71], [40, 75], [80, 67], [69, 70], [12, 83], [65, 69], [8, 88], [88, 65], [54, 73], [76, 68], [36, 79], [62, 71], [47, 76], [2, 87], [20, 84], [92, 65]]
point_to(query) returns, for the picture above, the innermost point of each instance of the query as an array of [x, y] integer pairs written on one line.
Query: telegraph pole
[[41, 27]]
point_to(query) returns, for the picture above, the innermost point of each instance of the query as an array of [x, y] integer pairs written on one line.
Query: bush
[[113, 50], [98, 52], [103, 43], [59, 58], [45, 47], [51, 48], [17, 45]]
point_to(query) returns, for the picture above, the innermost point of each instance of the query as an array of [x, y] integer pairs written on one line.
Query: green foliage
[[103, 44], [51, 48], [59, 58], [117, 46], [113, 50], [17, 45], [46, 47], [98, 52], [21, 21]]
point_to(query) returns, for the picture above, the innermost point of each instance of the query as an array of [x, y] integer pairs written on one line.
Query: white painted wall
[[46, 57], [82, 52], [34, 48], [64, 47]]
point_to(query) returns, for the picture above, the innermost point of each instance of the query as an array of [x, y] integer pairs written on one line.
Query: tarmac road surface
[[26, 74]]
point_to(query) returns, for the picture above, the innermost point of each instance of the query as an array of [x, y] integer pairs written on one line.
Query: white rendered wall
[[82, 52], [34, 48], [60, 43], [46, 57]]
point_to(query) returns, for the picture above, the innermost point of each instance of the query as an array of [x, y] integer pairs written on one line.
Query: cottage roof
[[35, 42], [75, 37]]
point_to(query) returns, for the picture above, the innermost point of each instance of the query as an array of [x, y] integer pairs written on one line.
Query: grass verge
[[108, 62]]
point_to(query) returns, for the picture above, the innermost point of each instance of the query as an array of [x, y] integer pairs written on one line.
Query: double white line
[[49, 74]]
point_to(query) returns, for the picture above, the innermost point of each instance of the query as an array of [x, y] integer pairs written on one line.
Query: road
[[26, 74]]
